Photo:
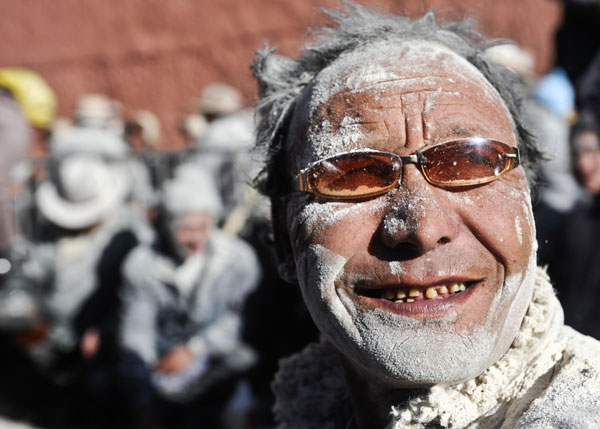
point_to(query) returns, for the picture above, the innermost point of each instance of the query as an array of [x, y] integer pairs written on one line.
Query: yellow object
[[34, 95]]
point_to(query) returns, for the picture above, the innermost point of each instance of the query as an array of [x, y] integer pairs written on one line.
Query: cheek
[[342, 228], [500, 215]]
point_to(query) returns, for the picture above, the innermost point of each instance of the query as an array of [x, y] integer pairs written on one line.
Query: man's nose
[[419, 219]]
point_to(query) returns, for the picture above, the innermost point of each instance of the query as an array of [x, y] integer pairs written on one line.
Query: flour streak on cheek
[[518, 230], [319, 268], [512, 299], [315, 216]]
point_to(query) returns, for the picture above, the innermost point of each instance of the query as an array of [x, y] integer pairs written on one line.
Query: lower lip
[[423, 309]]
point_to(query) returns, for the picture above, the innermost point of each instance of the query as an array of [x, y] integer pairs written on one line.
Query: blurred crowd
[[138, 288]]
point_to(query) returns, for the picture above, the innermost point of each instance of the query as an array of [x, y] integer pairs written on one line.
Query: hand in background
[[90, 343], [176, 360]]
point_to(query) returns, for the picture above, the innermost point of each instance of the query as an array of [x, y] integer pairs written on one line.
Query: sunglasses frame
[[419, 158]]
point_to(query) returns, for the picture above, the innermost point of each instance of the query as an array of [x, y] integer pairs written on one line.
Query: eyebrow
[[459, 131]]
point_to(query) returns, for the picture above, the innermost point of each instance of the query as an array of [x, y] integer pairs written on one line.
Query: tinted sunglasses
[[355, 175]]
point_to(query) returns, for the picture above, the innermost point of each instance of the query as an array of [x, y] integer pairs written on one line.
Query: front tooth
[[461, 287], [430, 293], [410, 300], [399, 300], [389, 294], [453, 288], [414, 292], [442, 290], [401, 294]]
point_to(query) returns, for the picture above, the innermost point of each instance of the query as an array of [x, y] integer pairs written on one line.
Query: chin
[[419, 354], [403, 352], [439, 344]]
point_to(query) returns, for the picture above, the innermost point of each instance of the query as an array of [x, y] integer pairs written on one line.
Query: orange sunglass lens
[[355, 175], [466, 162]]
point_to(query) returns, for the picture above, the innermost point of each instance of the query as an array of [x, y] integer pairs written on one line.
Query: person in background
[[142, 131], [224, 148], [181, 324], [37, 100], [552, 110], [109, 145], [191, 128], [14, 141], [142, 134], [76, 268], [98, 111], [576, 265]]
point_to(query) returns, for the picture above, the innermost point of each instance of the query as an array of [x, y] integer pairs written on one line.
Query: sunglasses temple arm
[[303, 184], [516, 157]]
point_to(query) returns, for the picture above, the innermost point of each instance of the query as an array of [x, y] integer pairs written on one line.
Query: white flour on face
[[391, 224], [396, 268], [402, 350], [376, 65], [314, 216], [518, 229], [410, 351], [375, 69], [325, 141], [318, 269]]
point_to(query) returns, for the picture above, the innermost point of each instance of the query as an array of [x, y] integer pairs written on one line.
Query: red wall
[[158, 55]]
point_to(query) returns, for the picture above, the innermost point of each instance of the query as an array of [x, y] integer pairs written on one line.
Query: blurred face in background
[[586, 159], [192, 232]]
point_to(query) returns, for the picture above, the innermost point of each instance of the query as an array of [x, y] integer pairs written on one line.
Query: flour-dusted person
[[182, 322], [398, 165]]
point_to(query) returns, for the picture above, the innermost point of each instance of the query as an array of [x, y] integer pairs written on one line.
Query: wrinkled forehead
[[384, 64], [380, 70]]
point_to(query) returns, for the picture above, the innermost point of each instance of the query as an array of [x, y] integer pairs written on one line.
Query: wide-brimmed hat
[[83, 191]]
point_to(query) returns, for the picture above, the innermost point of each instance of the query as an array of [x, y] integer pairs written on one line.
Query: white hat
[[220, 99], [192, 189], [97, 110], [515, 58], [149, 124], [85, 190], [232, 132], [193, 125]]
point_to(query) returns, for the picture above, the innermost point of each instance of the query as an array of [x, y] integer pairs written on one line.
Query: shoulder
[[309, 388], [572, 399], [234, 249], [138, 266]]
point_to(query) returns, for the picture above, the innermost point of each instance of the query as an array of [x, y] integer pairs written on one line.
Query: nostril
[[444, 240], [406, 250]]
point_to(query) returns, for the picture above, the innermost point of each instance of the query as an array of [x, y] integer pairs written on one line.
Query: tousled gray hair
[[281, 80]]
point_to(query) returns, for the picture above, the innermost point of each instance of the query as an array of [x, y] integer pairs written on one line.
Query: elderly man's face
[[192, 233], [351, 257]]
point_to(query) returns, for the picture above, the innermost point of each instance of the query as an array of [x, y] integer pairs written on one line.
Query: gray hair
[[281, 80]]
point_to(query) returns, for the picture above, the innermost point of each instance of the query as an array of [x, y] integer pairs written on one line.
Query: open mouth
[[414, 294]]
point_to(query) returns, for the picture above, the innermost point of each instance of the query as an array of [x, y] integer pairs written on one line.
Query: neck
[[372, 401]]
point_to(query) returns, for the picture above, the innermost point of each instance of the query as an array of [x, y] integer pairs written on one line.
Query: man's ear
[[286, 265]]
